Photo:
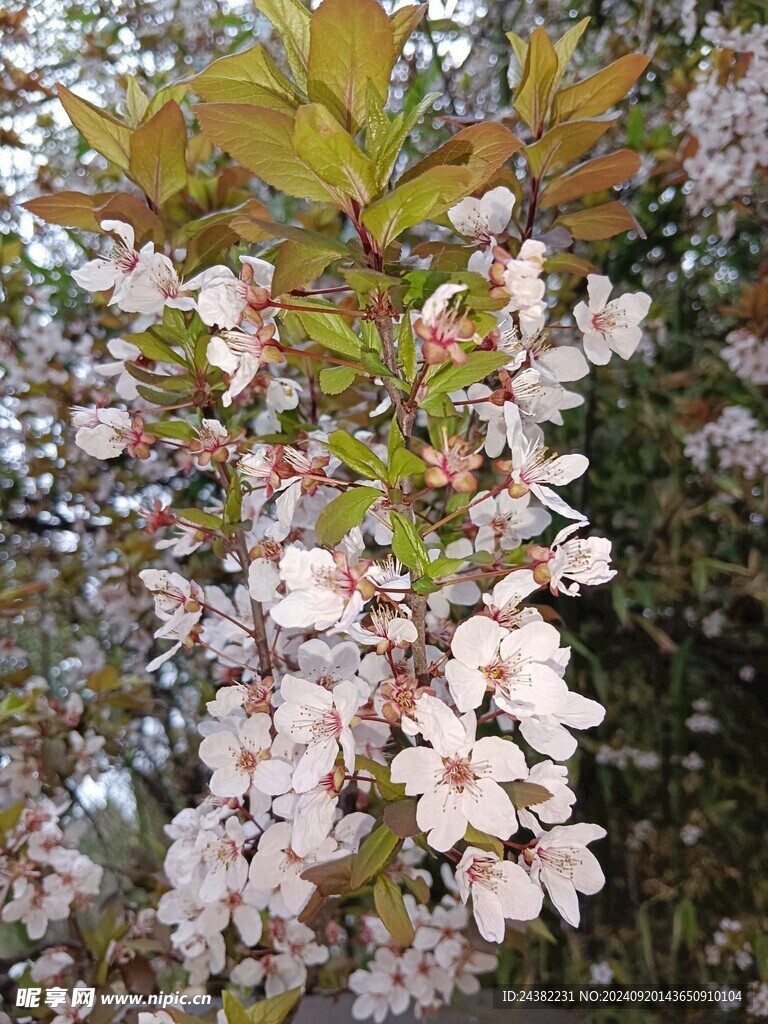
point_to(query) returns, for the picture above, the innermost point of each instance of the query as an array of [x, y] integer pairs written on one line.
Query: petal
[[486, 907], [467, 685], [596, 347], [598, 289], [489, 808], [476, 641], [563, 895]]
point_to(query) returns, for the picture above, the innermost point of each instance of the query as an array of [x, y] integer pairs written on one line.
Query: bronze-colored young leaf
[[158, 155], [248, 77], [131, 210], [404, 21], [592, 176], [333, 154], [173, 91], [333, 877], [566, 45], [596, 94], [480, 149], [567, 263], [599, 222], [400, 818], [526, 794], [208, 246], [390, 907], [534, 94], [291, 19], [352, 49], [102, 132], [69, 209], [261, 140], [564, 144]]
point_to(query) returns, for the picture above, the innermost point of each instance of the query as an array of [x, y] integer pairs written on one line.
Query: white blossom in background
[[610, 326]]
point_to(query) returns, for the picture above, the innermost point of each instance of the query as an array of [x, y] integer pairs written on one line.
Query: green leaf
[[248, 77], [177, 430], [12, 704], [564, 144], [352, 49], [329, 330], [275, 1009], [418, 888], [332, 153], [593, 96], [365, 281], [483, 841], [158, 155], [151, 347], [385, 138], [9, 816], [291, 19], [414, 201], [103, 133], [198, 517], [344, 513], [404, 463], [534, 93], [373, 856], [381, 773], [234, 1011], [442, 567], [390, 907], [356, 455], [407, 545], [395, 441], [297, 264], [335, 380], [478, 366], [261, 140], [406, 347], [422, 283], [234, 503]]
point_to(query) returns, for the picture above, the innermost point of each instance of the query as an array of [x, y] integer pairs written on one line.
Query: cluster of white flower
[[729, 946], [727, 114], [41, 879], [734, 441], [440, 961], [302, 726], [747, 356], [623, 757], [701, 720]]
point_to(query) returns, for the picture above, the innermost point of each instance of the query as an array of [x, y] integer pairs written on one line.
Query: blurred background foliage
[[675, 647]]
